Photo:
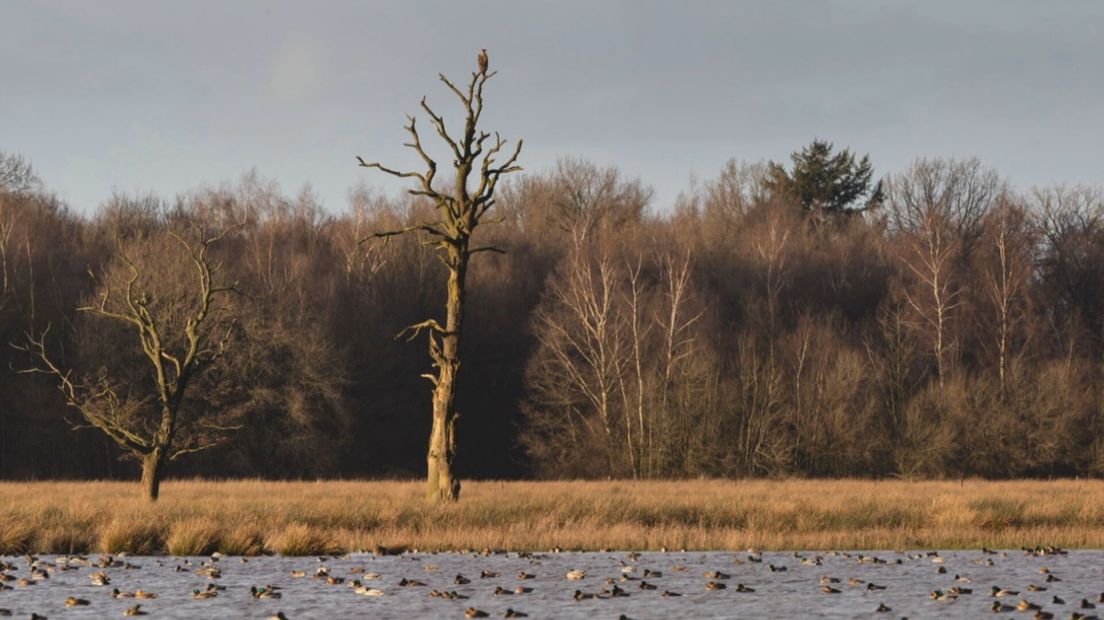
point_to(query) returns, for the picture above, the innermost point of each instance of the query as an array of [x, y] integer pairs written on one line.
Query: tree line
[[781, 319]]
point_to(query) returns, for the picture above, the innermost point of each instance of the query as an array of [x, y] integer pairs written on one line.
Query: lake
[[792, 589]]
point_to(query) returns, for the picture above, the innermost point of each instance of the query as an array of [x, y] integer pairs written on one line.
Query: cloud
[[297, 69]]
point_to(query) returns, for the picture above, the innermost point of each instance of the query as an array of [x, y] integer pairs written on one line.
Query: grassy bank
[[251, 517]]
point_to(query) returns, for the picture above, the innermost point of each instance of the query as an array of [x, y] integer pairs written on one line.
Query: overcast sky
[[167, 96]]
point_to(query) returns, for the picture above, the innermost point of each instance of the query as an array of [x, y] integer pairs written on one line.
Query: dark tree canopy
[[826, 183]]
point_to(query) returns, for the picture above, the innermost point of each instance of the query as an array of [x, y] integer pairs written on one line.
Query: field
[[303, 518]]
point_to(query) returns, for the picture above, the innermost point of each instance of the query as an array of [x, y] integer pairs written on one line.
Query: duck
[[583, 596], [742, 588], [1085, 604], [871, 586], [644, 585], [1043, 615], [73, 601], [999, 607], [883, 608], [1034, 588], [201, 595], [829, 590], [407, 583], [461, 580], [366, 591], [472, 612], [488, 574], [939, 595], [263, 593], [668, 593], [513, 613], [825, 580], [148, 595], [371, 576], [522, 590], [134, 610], [776, 569], [855, 581], [1051, 578], [716, 574], [998, 591], [1057, 601], [500, 591], [576, 575], [652, 573], [279, 616], [957, 590], [1026, 605], [100, 579], [525, 575], [298, 573], [715, 585]]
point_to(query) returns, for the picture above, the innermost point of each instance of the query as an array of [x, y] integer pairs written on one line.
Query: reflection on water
[[776, 585]]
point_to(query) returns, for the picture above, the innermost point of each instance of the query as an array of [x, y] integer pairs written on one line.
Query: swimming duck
[[644, 585], [576, 575], [472, 612], [1057, 601], [829, 590], [1051, 578], [998, 591], [115, 593], [616, 591], [776, 569], [488, 574], [298, 573], [1026, 605], [963, 579], [279, 616], [150, 595], [1034, 588], [1043, 615], [582, 596], [999, 607], [1085, 604], [201, 595], [870, 587], [522, 590], [715, 585], [366, 591], [406, 583], [370, 576], [939, 595], [742, 588], [652, 573], [716, 574], [882, 608], [855, 581], [525, 575], [461, 580], [134, 610], [511, 613], [667, 593], [957, 590], [825, 580], [500, 591], [263, 593], [100, 579], [73, 601]]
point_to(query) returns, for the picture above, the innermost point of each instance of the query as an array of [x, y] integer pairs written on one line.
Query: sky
[[137, 96]]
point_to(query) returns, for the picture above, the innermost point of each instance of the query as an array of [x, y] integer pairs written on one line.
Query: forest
[[807, 318]]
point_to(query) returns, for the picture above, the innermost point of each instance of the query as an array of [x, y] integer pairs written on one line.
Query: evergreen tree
[[827, 183]]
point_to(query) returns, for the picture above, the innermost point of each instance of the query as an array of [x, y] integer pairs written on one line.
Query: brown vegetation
[[303, 518]]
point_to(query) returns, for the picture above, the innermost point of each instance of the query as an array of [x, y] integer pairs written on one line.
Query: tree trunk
[[442, 485], [151, 474]]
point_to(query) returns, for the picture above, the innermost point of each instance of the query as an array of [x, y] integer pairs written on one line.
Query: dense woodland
[[796, 319]]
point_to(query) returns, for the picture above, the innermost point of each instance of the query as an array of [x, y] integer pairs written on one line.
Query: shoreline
[[252, 517]]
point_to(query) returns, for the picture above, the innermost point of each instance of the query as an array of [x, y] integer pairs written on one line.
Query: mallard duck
[[1057, 601], [279, 616], [644, 585], [999, 607], [829, 590], [998, 591], [298, 573], [667, 593], [1026, 605], [522, 590], [525, 575], [715, 585], [24, 582], [263, 592], [963, 579], [100, 579], [134, 610], [1085, 604], [871, 586], [370, 576], [939, 595], [146, 595], [411, 583], [716, 574], [855, 581], [500, 591], [472, 612], [825, 580], [73, 601], [882, 608], [957, 590], [1043, 615], [200, 595], [615, 591], [742, 588], [116, 593], [461, 580], [652, 573], [582, 596], [1034, 588], [1051, 578], [512, 613], [576, 575]]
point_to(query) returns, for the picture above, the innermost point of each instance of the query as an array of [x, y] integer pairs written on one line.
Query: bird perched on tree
[[483, 61]]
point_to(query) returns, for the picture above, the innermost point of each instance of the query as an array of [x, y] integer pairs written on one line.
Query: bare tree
[[460, 210], [16, 174], [181, 328]]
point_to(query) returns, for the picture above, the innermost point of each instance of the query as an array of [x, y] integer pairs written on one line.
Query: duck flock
[[1039, 583]]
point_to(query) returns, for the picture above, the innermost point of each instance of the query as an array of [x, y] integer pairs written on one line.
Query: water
[[795, 592]]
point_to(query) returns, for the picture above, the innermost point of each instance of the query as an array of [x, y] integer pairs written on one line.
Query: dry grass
[[250, 517]]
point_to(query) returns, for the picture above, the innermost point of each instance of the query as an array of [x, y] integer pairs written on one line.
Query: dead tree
[[181, 329], [459, 210]]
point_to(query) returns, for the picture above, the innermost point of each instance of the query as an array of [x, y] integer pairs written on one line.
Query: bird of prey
[[483, 61]]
